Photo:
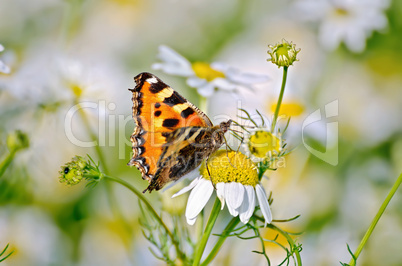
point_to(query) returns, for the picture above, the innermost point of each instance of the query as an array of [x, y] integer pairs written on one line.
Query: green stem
[[113, 204], [208, 229], [375, 220], [229, 228], [278, 105], [290, 241], [4, 250], [112, 201], [200, 225], [286, 235], [152, 211], [6, 162], [93, 137]]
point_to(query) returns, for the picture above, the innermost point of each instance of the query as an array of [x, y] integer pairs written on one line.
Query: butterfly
[[172, 136]]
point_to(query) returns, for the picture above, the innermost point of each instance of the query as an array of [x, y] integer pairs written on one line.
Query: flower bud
[[262, 144], [283, 54], [17, 141], [73, 172]]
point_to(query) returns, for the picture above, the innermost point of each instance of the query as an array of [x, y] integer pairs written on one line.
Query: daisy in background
[[237, 184], [348, 21], [3, 67], [206, 78], [44, 104]]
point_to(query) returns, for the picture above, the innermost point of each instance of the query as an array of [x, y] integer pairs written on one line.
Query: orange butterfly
[[172, 136]]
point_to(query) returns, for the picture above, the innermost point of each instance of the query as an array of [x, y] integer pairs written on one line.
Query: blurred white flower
[[3, 68], [236, 184], [105, 239], [348, 21], [40, 97], [33, 236], [64, 80], [206, 77]]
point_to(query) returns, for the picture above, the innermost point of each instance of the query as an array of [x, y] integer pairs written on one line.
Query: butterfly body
[[172, 136]]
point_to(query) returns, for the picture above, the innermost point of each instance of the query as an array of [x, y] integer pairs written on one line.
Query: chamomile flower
[[3, 67], [206, 78], [348, 21], [237, 185]]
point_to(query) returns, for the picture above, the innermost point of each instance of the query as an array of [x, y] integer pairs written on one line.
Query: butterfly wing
[[184, 151], [157, 111]]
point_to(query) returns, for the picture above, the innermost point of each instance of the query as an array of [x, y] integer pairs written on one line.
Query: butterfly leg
[[210, 176]]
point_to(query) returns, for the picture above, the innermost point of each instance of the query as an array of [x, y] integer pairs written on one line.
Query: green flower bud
[[17, 141], [73, 172], [283, 54]]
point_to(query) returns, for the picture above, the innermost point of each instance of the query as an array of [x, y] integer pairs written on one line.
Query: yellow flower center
[[205, 71], [229, 167], [76, 89], [289, 109], [341, 12], [283, 50], [262, 142]]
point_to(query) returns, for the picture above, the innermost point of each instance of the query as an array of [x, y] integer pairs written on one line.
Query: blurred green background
[[88, 51]]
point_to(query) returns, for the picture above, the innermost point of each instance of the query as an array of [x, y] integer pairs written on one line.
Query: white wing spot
[[152, 80]]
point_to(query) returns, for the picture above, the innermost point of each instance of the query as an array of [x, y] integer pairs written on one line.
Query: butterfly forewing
[[157, 110]]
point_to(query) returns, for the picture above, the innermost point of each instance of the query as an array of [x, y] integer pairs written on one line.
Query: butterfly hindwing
[[158, 110], [184, 151]]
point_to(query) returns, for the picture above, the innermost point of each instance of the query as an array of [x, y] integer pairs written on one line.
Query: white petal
[[187, 188], [198, 198], [245, 78], [330, 35], [207, 90], [173, 63], [223, 84], [167, 54], [234, 193], [232, 211], [238, 76], [222, 67], [263, 202], [220, 193], [1, 48], [355, 40], [3, 68], [172, 69], [191, 221], [196, 82], [247, 208]]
